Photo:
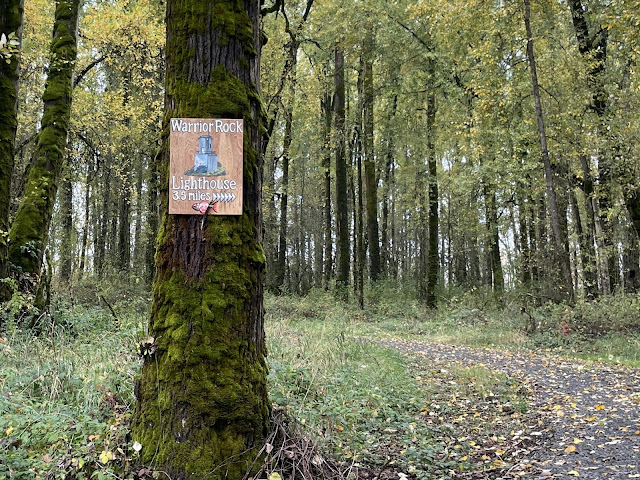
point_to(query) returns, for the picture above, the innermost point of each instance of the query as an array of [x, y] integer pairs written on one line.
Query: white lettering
[[176, 124]]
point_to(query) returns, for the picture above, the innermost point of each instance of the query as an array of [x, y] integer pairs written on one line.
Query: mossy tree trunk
[[202, 409], [30, 230], [10, 21]]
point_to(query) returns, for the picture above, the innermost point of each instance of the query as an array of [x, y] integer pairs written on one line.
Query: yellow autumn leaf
[[9, 431], [570, 449], [599, 407], [275, 476], [574, 473], [106, 456], [577, 440], [499, 451]]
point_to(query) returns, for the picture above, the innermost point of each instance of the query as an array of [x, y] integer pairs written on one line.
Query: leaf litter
[[584, 420]]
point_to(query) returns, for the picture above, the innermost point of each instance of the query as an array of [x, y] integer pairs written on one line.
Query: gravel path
[[590, 412]]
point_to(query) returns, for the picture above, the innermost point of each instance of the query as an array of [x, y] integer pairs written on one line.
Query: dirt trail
[[590, 412]]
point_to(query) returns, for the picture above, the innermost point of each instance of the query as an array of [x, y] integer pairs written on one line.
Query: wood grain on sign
[[183, 148]]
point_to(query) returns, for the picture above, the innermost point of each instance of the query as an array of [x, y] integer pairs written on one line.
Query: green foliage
[[65, 396]]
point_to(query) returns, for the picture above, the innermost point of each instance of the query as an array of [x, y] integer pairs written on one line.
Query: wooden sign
[[205, 166]]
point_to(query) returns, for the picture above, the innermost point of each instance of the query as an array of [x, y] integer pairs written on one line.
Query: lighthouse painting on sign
[[205, 161]]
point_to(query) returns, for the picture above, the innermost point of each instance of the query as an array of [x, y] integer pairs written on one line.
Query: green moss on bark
[[202, 409], [29, 233], [10, 21]]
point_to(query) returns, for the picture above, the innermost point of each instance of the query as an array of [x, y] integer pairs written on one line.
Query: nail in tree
[[202, 409]]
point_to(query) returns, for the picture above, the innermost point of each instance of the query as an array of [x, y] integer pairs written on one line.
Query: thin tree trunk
[[66, 227], [138, 248], [124, 224], [342, 213], [104, 220], [370, 178], [495, 262], [432, 271], [327, 110], [284, 195], [151, 228], [551, 194], [87, 223]]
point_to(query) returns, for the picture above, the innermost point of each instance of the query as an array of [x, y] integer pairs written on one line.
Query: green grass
[[607, 330], [374, 406], [66, 394]]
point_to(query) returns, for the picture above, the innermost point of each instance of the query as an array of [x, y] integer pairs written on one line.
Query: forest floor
[[391, 392], [587, 414]]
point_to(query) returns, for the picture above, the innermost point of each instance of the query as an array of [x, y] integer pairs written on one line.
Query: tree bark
[[326, 105], [66, 227], [433, 264], [370, 177], [11, 12], [124, 223], [151, 228], [551, 194], [342, 210], [29, 233], [284, 195], [495, 259], [100, 240], [138, 247], [87, 209], [202, 409]]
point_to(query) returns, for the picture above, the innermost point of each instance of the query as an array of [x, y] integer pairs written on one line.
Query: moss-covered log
[[202, 408], [10, 22], [29, 232]]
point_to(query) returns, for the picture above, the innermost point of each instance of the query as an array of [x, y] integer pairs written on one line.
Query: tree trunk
[[10, 22], [202, 409], [30, 229], [87, 209], [124, 223], [342, 209], [560, 241], [327, 110], [370, 177], [589, 258], [100, 240], [525, 253], [284, 195], [151, 228], [138, 243], [432, 269], [631, 258], [66, 227], [495, 260]]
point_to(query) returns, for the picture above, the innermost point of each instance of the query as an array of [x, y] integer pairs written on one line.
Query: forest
[[462, 172]]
